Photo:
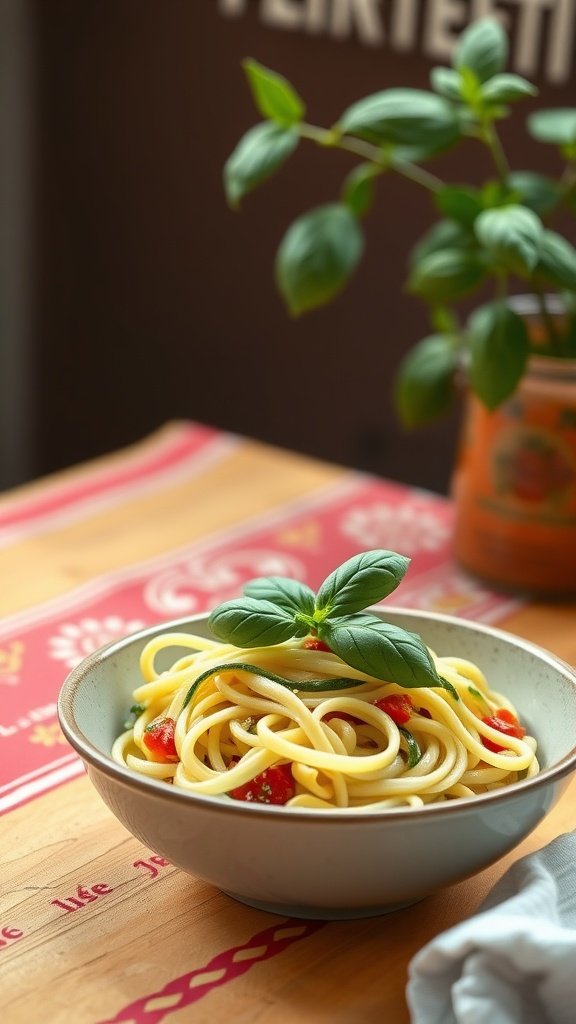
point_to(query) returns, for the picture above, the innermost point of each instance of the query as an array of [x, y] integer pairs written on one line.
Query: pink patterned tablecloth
[[305, 539]]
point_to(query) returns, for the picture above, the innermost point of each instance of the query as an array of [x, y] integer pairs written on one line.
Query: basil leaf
[[359, 188], [404, 117], [557, 126], [497, 193], [414, 752], [381, 650], [507, 88], [446, 82], [246, 622], [275, 98], [512, 234], [260, 152], [425, 383], [462, 204], [283, 592], [557, 261], [536, 191], [445, 234], [446, 274], [363, 580], [445, 685], [482, 48], [317, 256], [498, 344]]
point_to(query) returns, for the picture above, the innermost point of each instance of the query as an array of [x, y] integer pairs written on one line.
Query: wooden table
[[147, 942]]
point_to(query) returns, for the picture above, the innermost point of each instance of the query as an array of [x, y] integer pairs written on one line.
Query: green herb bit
[[414, 752], [136, 710], [296, 685], [450, 688], [476, 693]]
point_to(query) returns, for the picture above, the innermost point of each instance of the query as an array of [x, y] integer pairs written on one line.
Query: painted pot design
[[514, 484]]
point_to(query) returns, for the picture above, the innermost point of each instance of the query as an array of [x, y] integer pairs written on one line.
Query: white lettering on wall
[[232, 8], [316, 15], [529, 34], [403, 25], [560, 51], [490, 9], [283, 13], [445, 20], [560, 42], [361, 17], [542, 31]]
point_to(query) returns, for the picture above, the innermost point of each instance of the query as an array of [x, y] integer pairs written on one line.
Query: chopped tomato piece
[[505, 722], [274, 785], [397, 705], [159, 738], [314, 643]]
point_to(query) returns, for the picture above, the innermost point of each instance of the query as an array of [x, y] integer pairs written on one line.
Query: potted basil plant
[[515, 479]]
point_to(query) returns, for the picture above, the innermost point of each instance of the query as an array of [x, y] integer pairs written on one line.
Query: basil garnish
[[275, 609]]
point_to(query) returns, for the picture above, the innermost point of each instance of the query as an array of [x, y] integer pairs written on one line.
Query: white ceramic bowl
[[335, 863]]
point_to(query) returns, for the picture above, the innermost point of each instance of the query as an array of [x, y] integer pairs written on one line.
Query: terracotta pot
[[514, 485]]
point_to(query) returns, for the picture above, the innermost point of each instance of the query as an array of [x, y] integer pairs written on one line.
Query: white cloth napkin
[[514, 962]]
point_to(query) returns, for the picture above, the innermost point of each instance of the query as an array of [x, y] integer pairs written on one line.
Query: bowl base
[[321, 913]]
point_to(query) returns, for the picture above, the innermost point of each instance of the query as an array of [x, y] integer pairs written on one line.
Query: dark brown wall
[[154, 301]]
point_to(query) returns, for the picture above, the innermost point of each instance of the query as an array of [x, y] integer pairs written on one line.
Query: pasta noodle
[[295, 725]]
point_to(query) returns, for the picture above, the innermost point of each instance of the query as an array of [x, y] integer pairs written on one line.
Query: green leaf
[[557, 126], [460, 202], [409, 117], [273, 95], [362, 580], [445, 234], [447, 83], [414, 752], [568, 151], [317, 255], [482, 48], [260, 153], [498, 345], [321, 685], [557, 261], [282, 591], [507, 88], [471, 92], [359, 188], [425, 384], [246, 622], [446, 274], [380, 649], [512, 235], [497, 193], [536, 191]]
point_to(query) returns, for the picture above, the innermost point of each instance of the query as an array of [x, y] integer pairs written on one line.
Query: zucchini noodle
[[221, 716]]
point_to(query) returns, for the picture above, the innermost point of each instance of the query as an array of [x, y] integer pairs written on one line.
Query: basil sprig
[[275, 609]]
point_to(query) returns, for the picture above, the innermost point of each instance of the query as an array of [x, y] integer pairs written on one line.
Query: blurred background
[[131, 295]]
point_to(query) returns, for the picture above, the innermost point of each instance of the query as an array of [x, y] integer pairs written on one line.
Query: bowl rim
[[94, 757]]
